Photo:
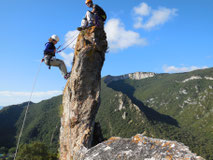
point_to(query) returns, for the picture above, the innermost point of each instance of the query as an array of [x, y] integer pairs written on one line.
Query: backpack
[[103, 15], [100, 12]]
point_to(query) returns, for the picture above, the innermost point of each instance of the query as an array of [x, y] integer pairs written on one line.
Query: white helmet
[[55, 37]]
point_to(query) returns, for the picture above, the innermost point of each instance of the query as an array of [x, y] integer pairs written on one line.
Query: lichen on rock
[[139, 147]]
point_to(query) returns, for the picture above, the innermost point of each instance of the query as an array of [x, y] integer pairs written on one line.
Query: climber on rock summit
[[96, 17], [49, 56]]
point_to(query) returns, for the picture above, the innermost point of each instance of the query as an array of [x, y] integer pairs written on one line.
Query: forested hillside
[[168, 106]]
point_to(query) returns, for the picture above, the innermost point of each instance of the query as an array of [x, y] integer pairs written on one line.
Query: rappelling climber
[[96, 17], [49, 56]]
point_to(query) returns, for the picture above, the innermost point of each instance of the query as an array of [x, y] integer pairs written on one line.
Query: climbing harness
[[48, 55], [25, 115], [48, 60], [70, 42]]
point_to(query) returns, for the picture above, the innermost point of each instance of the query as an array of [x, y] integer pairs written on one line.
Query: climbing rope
[[34, 83], [25, 116], [70, 42], [70, 143], [51, 140]]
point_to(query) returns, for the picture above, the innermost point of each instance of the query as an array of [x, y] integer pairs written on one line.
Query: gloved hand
[[42, 60]]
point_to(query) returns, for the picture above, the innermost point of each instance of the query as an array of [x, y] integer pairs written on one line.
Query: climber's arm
[[94, 9]]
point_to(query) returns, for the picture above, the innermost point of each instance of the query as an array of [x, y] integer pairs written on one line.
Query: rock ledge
[[139, 147]]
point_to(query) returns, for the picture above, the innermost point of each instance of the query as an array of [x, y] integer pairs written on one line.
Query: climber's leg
[[59, 63], [88, 21], [90, 18], [47, 59], [84, 23]]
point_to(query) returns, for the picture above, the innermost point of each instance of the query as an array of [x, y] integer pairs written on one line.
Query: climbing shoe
[[67, 76], [81, 28]]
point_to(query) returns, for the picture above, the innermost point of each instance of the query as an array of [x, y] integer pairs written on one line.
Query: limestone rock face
[[134, 76], [139, 148], [81, 96]]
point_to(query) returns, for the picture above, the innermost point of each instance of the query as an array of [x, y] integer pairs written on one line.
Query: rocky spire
[[81, 96], [81, 101]]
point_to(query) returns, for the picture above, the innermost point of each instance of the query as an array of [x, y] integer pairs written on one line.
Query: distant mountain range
[[167, 106]]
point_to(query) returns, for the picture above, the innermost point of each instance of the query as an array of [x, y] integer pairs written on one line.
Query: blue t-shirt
[[50, 49]]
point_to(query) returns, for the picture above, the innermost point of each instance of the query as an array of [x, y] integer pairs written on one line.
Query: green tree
[[3, 150], [35, 151], [12, 150]]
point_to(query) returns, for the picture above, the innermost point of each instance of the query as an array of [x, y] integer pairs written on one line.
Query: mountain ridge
[[134, 76], [120, 116]]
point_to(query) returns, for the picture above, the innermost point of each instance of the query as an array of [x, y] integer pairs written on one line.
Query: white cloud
[[71, 37], [173, 69], [27, 94], [159, 17], [120, 38], [70, 42], [138, 22], [68, 58], [143, 9], [155, 17], [13, 97]]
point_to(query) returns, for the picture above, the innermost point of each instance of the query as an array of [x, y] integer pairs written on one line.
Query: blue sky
[[160, 36]]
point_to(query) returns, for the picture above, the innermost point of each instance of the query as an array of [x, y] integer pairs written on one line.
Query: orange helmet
[[87, 1]]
